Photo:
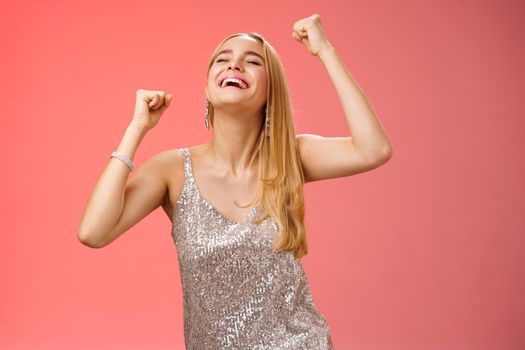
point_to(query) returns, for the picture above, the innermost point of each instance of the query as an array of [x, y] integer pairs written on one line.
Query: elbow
[[88, 240], [382, 156], [387, 153]]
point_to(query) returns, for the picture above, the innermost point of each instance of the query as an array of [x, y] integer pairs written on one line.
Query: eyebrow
[[249, 52]]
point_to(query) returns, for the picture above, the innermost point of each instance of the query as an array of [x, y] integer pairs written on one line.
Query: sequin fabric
[[237, 293]]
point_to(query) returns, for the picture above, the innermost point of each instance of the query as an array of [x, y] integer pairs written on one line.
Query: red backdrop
[[425, 252]]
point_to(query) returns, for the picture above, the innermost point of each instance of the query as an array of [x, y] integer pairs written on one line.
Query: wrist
[[325, 50], [135, 127]]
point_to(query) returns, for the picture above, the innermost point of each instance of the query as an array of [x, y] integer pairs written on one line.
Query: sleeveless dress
[[237, 293]]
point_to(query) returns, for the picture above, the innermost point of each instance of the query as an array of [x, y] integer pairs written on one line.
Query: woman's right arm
[[115, 205]]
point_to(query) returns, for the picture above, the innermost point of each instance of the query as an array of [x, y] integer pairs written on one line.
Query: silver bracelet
[[123, 158]]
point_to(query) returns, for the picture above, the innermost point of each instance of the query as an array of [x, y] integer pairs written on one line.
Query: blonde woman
[[236, 202]]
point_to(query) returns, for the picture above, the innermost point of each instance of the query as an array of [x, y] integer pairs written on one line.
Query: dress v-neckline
[[213, 207]]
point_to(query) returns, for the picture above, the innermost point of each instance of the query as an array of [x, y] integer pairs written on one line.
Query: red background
[[425, 252]]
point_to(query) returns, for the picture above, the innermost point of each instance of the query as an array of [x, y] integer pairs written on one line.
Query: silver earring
[[206, 119]]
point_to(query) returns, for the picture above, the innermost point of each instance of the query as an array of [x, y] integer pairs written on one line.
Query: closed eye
[[254, 62]]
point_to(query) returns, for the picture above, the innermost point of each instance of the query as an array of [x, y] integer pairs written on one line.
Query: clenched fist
[[149, 107], [310, 32]]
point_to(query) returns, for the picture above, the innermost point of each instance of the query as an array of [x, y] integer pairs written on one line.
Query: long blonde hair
[[280, 170]]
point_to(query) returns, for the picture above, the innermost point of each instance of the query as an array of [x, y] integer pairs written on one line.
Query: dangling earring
[[267, 122], [206, 119]]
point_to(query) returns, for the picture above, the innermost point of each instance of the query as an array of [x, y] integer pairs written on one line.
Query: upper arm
[[145, 192], [331, 157]]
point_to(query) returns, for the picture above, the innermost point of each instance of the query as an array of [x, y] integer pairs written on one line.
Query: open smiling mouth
[[233, 82]]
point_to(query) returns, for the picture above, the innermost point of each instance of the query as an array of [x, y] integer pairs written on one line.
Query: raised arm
[[368, 147], [115, 204]]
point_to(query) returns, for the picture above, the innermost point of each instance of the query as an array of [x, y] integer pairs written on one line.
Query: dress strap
[[187, 163]]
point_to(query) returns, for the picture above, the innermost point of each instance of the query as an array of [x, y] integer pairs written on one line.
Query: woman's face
[[241, 57]]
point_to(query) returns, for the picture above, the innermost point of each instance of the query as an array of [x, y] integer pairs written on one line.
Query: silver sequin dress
[[237, 293]]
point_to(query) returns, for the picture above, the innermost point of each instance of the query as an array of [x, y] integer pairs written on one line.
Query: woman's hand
[[309, 31], [149, 107]]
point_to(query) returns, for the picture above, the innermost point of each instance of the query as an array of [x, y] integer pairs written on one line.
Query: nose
[[234, 65]]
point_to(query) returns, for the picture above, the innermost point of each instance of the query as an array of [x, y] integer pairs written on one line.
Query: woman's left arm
[[368, 147]]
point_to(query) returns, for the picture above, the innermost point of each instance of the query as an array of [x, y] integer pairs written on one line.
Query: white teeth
[[238, 81]]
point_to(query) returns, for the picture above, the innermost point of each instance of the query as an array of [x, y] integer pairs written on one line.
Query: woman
[[243, 283]]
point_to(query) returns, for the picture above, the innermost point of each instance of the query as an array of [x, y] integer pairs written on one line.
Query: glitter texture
[[237, 293]]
